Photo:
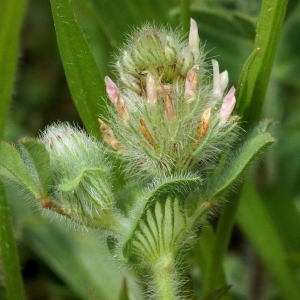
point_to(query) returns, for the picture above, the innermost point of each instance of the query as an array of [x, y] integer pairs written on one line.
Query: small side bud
[[227, 105], [194, 40], [109, 136], [145, 132], [204, 124], [170, 112], [191, 85], [220, 81]]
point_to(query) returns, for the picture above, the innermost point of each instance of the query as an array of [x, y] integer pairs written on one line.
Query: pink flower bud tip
[[112, 90], [227, 105], [191, 84]]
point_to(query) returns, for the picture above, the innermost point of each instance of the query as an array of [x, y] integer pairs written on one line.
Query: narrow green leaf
[[72, 185], [41, 161], [84, 78], [124, 291], [226, 21], [11, 16], [285, 216], [10, 261], [203, 253], [218, 294], [255, 221], [116, 17], [249, 150], [83, 262], [11, 160], [252, 95]]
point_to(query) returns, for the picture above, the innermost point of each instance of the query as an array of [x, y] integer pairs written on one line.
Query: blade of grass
[[11, 16], [85, 81], [254, 219], [253, 87], [249, 106], [10, 260]]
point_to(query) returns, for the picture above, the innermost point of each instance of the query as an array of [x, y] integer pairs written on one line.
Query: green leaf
[[41, 161], [203, 253], [287, 63], [285, 216], [254, 85], [116, 17], [84, 78], [83, 262], [11, 16], [226, 21], [254, 219], [257, 141], [163, 222], [218, 294], [124, 291], [11, 160], [9, 254]]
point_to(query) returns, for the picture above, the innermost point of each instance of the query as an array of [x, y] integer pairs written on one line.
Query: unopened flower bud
[[227, 105], [191, 84], [151, 88], [194, 40], [113, 93], [80, 175], [220, 81], [112, 90]]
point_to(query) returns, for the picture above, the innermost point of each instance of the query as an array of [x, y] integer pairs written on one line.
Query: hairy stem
[[163, 275]]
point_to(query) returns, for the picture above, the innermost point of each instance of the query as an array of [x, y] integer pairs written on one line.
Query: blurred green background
[[58, 263]]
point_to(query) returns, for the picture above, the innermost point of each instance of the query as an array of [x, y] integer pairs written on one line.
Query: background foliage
[[264, 255]]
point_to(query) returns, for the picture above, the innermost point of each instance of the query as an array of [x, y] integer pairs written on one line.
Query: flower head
[[169, 117]]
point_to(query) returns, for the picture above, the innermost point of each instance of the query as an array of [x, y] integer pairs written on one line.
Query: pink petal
[[220, 81], [191, 84], [227, 105], [112, 90]]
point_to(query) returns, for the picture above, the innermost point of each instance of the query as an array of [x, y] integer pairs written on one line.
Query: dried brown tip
[[108, 136], [146, 133], [204, 124]]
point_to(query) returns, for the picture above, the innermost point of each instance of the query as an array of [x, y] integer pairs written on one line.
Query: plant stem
[[185, 15], [221, 243], [163, 275]]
